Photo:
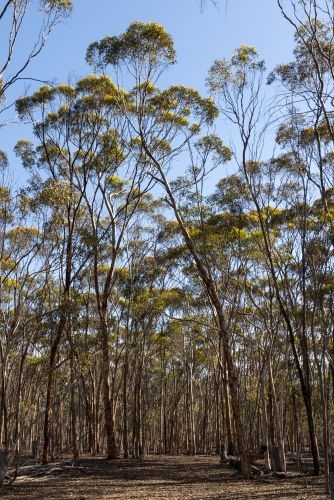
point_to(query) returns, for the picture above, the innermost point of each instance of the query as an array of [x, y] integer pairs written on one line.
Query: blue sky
[[198, 38]]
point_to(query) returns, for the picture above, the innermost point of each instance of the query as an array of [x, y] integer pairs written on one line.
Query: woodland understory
[[155, 477], [141, 314]]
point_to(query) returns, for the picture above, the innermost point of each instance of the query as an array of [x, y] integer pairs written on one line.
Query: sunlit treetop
[[212, 144], [245, 55], [314, 51], [175, 104], [64, 6], [91, 93], [3, 159], [243, 63], [141, 43]]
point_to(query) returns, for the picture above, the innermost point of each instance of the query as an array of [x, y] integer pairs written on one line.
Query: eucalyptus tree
[[54, 155], [237, 87], [66, 224], [145, 294], [306, 157], [166, 124], [226, 253], [24, 274], [53, 169], [14, 16], [306, 84], [87, 150], [309, 77]]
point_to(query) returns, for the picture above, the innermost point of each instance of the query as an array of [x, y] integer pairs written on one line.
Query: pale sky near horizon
[[199, 39]]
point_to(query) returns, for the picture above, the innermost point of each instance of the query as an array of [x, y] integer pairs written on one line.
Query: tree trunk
[[230, 445], [49, 391], [3, 465], [125, 408], [108, 413], [74, 434], [279, 420], [223, 332], [265, 433]]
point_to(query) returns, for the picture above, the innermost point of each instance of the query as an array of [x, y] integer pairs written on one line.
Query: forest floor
[[157, 477]]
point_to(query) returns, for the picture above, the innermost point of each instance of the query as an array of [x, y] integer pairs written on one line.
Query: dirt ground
[[157, 477]]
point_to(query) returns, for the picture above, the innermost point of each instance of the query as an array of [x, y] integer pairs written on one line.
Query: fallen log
[[237, 465], [36, 471], [279, 475]]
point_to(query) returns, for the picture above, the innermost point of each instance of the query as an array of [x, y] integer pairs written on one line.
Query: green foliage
[[25, 105], [3, 159], [22, 237], [100, 85], [175, 104], [238, 72], [25, 150], [314, 51], [212, 144], [232, 194], [64, 7], [56, 194], [244, 55], [141, 42], [5, 195], [7, 264], [90, 240]]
